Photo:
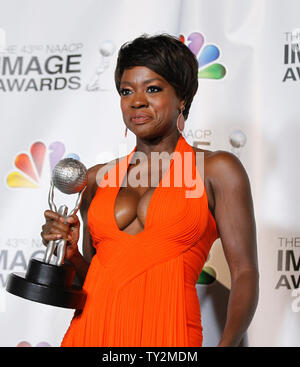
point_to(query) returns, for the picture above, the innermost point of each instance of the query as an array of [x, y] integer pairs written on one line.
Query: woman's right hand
[[58, 227]]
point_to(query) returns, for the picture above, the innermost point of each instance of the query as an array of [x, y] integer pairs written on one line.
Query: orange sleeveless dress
[[141, 288]]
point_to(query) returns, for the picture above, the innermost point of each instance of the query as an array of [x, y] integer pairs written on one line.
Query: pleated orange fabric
[[141, 288]]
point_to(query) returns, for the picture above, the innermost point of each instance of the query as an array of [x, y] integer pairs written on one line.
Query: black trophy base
[[47, 283]]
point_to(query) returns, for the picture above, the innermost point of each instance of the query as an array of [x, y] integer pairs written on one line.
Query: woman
[[144, 245]]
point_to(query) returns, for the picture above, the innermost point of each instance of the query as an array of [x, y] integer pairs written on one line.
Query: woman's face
[[149, 103]]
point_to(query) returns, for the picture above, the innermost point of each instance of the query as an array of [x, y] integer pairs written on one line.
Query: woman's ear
[[182, 106]]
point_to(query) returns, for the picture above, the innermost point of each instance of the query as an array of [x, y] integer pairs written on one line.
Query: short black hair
[[167, 56]]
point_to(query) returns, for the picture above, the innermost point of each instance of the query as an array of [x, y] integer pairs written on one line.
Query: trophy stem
[[61, 244], [50, 197], [78, 201]]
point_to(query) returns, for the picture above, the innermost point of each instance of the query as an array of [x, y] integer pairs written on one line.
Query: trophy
[[237, 140], [48, 281], [106, 50]]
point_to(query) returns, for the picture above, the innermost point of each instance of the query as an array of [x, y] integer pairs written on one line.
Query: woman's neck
[[166, 143]]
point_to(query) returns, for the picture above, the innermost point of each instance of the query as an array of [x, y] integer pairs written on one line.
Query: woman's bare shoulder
[[220, 162], [97, 170], [95, 173], [215, 155]]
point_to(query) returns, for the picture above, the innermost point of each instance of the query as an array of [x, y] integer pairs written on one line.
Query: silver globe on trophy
[[48, 281]]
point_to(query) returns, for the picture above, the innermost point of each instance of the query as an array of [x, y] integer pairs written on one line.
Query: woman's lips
[[140, 119]]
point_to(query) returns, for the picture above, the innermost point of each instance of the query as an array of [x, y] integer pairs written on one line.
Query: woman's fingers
[[55, 227], [56, 224], [74, 226], [56, 218], [50, 215], [72, 220], [58, 227], [51, 236]]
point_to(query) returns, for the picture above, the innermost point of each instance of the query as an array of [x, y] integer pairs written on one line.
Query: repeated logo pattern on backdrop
[[25, 344], [30, 165], [206, 54], [291, 56], [50, 67], [208, 69], [41, 67]]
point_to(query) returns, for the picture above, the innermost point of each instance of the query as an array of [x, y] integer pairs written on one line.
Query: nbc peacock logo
[[207, 276], [27, 344], [29, 166], [206, 55]]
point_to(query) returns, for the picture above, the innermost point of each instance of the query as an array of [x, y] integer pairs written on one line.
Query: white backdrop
[[57, 89]]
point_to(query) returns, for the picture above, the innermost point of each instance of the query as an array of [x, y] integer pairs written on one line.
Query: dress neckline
[[155, 193]]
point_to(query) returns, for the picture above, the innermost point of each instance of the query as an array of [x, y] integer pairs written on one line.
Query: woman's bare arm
[[235, 220]]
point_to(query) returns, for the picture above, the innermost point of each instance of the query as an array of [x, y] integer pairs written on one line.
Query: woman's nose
[[139, 100]]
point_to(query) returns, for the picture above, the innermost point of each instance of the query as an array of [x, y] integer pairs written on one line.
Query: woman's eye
[[153, 89], [124, 91], [150, 89]]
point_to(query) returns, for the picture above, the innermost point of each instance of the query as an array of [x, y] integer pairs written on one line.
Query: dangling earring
[[126, 132], [180, 121]]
